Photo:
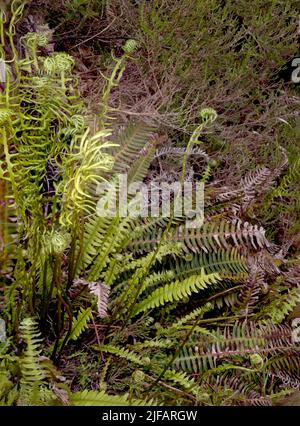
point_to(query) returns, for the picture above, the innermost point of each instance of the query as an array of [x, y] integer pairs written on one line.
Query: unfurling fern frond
[[85, 169], [130, 46], [58, 62]]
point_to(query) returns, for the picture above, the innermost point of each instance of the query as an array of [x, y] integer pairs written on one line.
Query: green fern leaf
[[80, 323], [176, 291], [123, 353], [94, 398]]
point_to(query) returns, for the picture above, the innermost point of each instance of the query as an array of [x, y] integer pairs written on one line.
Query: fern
[[131, 141], [94, 398], [123, 353], [33, 374], [176, 291], [211, 237], [80, 323], [187, 383], [292, 176]]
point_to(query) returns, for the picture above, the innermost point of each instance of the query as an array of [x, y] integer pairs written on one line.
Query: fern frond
[[188, 383], [196, 313], [80, 324], [210, 237], [292, 176], [176, 291], [249, 294], [241, 339], [101, 291], [131, 141], [123, 353], [278, 309], [181, 151], [226, 263], [94, 398], [190, 361], [139, 168], [33, 374]]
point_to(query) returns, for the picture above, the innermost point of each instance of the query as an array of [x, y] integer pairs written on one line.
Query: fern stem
[[44, 290], [71, 259]]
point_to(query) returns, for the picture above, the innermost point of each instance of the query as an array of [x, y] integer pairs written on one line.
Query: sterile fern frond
[[123, 353], [100, 399], [80, 324], [131, 141], [188, 383], [177, 290], [33, 375]]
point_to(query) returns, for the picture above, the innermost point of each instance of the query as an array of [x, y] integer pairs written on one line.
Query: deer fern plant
[[189, 313]]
